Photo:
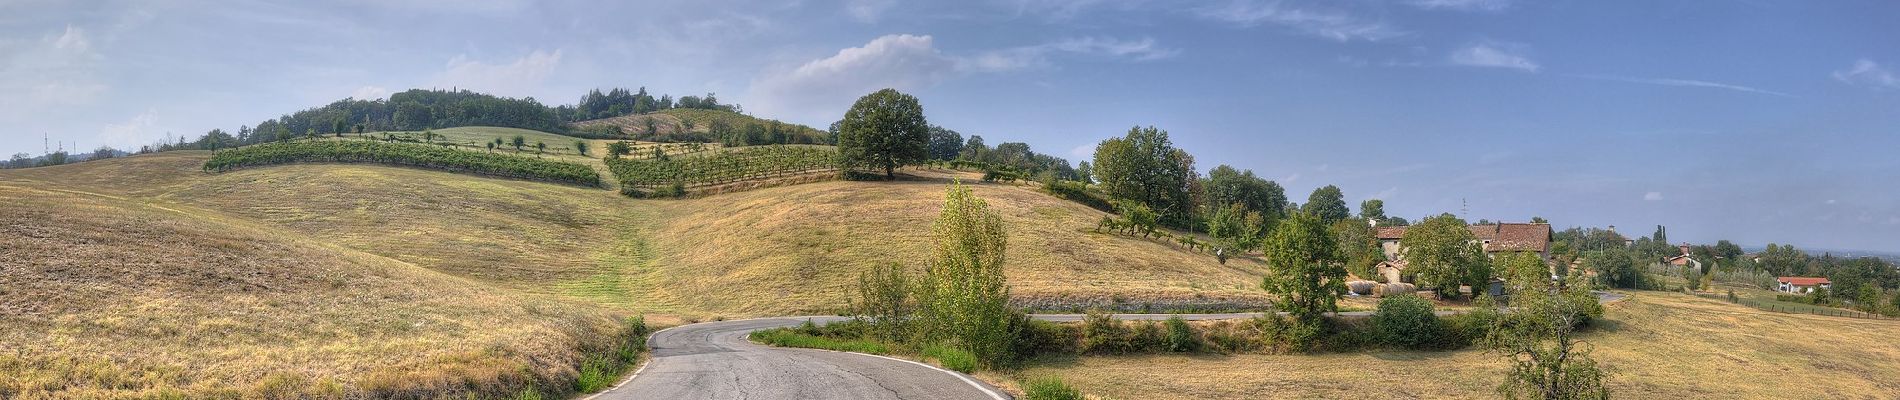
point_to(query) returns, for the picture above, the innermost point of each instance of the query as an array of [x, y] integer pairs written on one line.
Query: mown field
[[1656, 345], [107, 295]]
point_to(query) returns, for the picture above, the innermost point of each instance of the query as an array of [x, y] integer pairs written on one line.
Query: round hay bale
[[1395, 289], [1361, 288]]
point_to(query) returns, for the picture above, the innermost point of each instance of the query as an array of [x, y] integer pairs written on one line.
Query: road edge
[[636, 371]]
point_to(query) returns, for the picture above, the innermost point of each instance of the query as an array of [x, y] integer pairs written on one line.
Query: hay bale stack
[[1395, 289], [1361, 288]]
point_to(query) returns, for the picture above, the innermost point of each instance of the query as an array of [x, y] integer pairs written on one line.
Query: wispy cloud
[[1682, 83], [1652, 196], [521, 77], [1038, 55], [1331, 24], [1462, 5], [867, 11], [1866, 72], [1494, 55]]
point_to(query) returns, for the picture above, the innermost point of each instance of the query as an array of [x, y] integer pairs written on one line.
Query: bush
[[1406, 321], [785, 337], [1148, 337], [953, 358], [1049, 388], [414, 155], [1043, 337], [1181, 337], [1101, 333]]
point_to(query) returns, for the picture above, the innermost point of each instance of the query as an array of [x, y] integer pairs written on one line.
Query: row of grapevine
[[724, 166], [406, 154]]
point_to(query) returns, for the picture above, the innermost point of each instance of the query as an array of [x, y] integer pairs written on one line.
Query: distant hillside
[[712, 126]]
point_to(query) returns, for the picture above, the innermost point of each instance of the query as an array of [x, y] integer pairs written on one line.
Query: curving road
[[715, 360]]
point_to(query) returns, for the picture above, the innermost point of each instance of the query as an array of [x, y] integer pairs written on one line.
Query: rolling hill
[[672, 125]]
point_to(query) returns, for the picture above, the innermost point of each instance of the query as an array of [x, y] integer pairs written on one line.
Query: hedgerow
[[731, 165], [405, 154]]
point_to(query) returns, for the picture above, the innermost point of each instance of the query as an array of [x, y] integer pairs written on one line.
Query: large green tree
[[1614, 266], [1143, 166], [1226, 185], [884, 129], [944, 143], [1304, 269], [1358, 246], [1444, 254], [963, 293], [1328, 204], [1372, 209]]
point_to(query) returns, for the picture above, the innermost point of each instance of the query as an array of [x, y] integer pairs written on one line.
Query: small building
[[1683, 260], [1800, 284], [1390, 270], [1498, 238]]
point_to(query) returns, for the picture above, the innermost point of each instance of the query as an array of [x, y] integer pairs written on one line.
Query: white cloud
[[1868, 73], [1289, 179], [1462, 5], [58, 71], [817, 89], [1493, 55], [521, 77], [828, 85], [1037, 56], [74, 40], [1652, 196], [867, 11], [369, 93], [1385, 194], [1684, 83], [1328, 24], [1084, 152]]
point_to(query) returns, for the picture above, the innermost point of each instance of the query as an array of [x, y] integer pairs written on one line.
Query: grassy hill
[[673, 124], [120, 293], [1655, 345]]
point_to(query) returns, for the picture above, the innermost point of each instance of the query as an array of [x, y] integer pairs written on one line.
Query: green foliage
[[1137, 217], [725, 166], [1373, 209], [1036, 337], [1358, 246], [415, 155], [1144, 167], [944, 143], [1328, 204], [1236, 229], [1049, 388], [1614, 267], [963, 295], [593, 376], [1445, 255], [1304, 269], [788, 337], [1080, 193], [884, 130], [885, 303], [1406, 321], [619, 149], [1101, 333], [1226, 186], [953, 358], [580, 146], [1181, 336], [1537, 337]]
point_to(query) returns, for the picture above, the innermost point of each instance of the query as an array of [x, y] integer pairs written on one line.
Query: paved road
[[714, 360]]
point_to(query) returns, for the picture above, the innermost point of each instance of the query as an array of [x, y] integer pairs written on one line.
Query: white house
[[1800, 284]]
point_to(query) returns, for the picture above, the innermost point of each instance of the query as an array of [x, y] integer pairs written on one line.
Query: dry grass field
[[1657, 345], [103, 296]]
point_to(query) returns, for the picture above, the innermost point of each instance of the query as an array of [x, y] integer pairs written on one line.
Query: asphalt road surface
[[714, 360]]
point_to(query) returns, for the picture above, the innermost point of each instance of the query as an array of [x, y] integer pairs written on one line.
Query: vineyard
[[721, 167], [406, 154]]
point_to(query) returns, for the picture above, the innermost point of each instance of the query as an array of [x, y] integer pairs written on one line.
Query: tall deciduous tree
[[944, 143], [1227, 185], [1372, 209], [1444, 255], [884, 129], [1304, 269], [1358, 246], [1614, 267], [963, 292], [1328, 204], [1236, 229], [1143, 166]]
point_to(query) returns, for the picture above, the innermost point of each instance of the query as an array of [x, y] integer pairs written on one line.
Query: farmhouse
[[1499, 238], [1683, 260], [1800, 284]]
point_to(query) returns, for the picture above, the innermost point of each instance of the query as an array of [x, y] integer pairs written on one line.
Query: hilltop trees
[[944, 143], [1327, 204], [1225, 185], [1143, 166], [884, 129], [1445, 255]]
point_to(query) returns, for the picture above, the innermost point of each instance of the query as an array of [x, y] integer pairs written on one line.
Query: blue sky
[[1757, 121]]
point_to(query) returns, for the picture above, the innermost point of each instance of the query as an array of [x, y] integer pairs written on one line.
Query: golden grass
[[104, 297], [1656, 345]]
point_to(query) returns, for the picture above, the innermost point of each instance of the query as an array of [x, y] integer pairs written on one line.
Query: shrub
[[1148, 337], [1101, 333], [1049, 388], [1406, 321], [953, 358], [1181, 337], [593, 376], [1043, 337], [784, 337]]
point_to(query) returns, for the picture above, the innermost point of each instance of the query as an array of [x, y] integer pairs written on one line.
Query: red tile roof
[[1508, 236], [1801, 280], [1390, 232]]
